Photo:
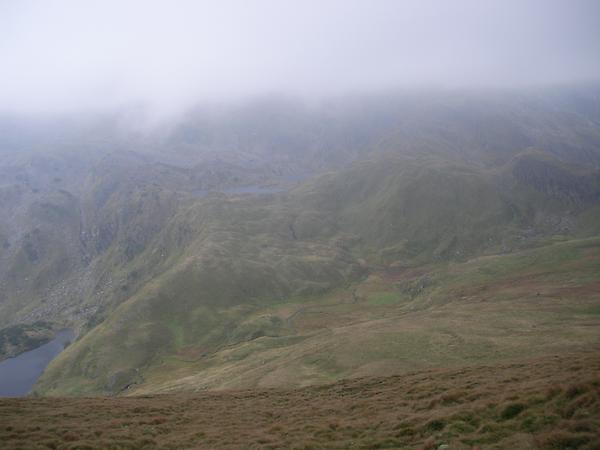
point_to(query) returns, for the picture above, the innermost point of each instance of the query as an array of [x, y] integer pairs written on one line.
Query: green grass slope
[[224, 259], [484, 310], [236, 278]]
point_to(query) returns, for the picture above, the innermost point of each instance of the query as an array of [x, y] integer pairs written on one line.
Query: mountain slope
[[240, 256], [211, 239], [542, 403]]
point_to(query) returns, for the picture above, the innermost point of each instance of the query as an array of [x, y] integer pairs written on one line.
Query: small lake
[[19, 374]]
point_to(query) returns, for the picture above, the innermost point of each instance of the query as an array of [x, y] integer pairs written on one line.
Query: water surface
[[19, 374]]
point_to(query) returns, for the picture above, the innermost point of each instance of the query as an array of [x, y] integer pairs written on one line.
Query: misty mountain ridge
[[174, 250], [300, 225]]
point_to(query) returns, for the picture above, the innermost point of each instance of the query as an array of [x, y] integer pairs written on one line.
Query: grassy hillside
[[175, 278], [257, 328], [552, 402], [224, 282], [402, 318], [218, 255]]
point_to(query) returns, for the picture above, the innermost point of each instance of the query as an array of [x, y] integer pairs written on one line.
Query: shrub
[[435, 425], [512, 410]]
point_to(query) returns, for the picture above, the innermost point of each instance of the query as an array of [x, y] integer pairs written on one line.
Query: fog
[[70, 55]]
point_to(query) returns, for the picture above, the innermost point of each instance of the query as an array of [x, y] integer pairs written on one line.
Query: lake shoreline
[[19, 374]]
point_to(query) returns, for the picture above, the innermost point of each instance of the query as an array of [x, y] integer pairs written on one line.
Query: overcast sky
[[65, 55]]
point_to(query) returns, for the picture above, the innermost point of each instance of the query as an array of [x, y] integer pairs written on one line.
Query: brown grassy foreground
[[551, 402]]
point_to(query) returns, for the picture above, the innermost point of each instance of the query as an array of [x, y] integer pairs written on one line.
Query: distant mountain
[[256, 246]]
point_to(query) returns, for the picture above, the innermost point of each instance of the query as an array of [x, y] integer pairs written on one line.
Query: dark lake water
[[19, 374]]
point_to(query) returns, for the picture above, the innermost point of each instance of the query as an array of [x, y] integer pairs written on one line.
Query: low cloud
[[70, 55]]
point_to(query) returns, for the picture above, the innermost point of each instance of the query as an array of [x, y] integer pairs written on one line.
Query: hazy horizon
[[62, 56]]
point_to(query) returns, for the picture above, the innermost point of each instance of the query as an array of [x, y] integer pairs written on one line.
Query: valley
[[279, 252], [311, 225]]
